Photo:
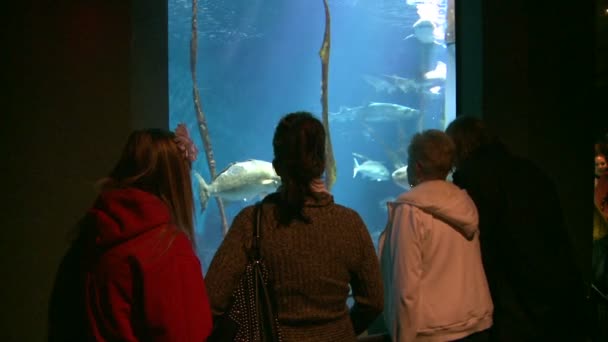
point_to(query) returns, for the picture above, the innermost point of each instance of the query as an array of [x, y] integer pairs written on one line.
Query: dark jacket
[[536, 287]]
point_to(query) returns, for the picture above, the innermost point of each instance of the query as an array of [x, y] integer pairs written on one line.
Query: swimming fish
[[240, 181], [375, 112], [379, 84], [400, 177], [371, 169]]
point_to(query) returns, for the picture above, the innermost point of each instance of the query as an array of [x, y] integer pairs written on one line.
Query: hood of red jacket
[[122, 214]]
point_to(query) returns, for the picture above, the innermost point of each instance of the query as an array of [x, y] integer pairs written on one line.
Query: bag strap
[[257, 227]]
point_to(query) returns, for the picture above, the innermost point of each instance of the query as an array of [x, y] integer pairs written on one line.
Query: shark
[[375, 112]]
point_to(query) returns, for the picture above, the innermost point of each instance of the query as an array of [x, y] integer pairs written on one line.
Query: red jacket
[[143, 279]]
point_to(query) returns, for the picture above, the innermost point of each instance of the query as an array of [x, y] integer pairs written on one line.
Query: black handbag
[[251, 316]]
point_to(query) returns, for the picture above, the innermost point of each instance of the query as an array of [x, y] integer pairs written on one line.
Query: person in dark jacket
[[536, 288]]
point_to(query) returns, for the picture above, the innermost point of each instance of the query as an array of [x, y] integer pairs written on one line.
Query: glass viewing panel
[[391, 74]]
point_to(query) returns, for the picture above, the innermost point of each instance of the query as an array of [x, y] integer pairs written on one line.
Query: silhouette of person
[[535, 285]]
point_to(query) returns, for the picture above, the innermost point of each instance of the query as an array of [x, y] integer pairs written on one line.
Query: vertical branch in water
[[200, 115], [330, 162]]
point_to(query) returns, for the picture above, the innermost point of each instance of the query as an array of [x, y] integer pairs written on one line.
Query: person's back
[[445, 287], [311, 266], [435, 286], [313, 248], [141, 274], [133, 269], [536, 288]]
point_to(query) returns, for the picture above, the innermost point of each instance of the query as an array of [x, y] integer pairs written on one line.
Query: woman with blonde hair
[[140, 276]]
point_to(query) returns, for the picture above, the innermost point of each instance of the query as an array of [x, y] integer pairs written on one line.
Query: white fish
[[371, 169], [400, 177], [240, 181]]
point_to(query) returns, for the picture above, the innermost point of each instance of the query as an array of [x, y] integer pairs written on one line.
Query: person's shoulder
[[345, 213], [343, 209], [247, 212], [163, 247], [182, 244]]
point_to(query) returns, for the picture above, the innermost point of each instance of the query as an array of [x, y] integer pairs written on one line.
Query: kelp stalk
[[330, 162], [200, 114]]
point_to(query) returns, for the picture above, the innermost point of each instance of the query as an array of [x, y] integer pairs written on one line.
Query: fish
[[240, 181], [400, 177], [345, 114], [429, 86], [371, 169], [404, 84], [386, 112], [379, 84], [376, 112]]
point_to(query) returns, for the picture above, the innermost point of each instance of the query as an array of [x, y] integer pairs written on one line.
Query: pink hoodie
[[435, 288]]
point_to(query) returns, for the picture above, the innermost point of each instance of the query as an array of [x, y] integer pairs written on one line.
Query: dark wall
[[77, 84], [538, 93]]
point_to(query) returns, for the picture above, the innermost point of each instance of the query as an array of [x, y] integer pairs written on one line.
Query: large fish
[[406, 85], [240, 181], [376, 112], [380, 85], [371, 169], [430, 86]]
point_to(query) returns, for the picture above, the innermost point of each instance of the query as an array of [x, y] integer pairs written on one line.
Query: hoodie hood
[[445, 201], [121, 214]]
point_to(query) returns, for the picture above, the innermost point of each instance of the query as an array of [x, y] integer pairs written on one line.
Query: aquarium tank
[[378, 71]]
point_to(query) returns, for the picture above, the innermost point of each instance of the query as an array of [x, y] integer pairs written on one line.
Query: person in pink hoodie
[[434, 283], [134, 274]]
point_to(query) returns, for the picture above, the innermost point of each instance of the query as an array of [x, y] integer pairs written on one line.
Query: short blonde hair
[[434, 151]]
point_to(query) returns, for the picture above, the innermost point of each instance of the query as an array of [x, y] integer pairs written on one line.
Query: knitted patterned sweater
[[311, 267]]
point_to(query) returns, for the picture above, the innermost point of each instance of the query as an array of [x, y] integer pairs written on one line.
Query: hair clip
[[184, 143]]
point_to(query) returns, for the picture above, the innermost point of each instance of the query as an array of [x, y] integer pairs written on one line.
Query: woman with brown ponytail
[[315, 249]]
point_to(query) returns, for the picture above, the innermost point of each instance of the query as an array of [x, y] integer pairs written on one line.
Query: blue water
[[258, 60]]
